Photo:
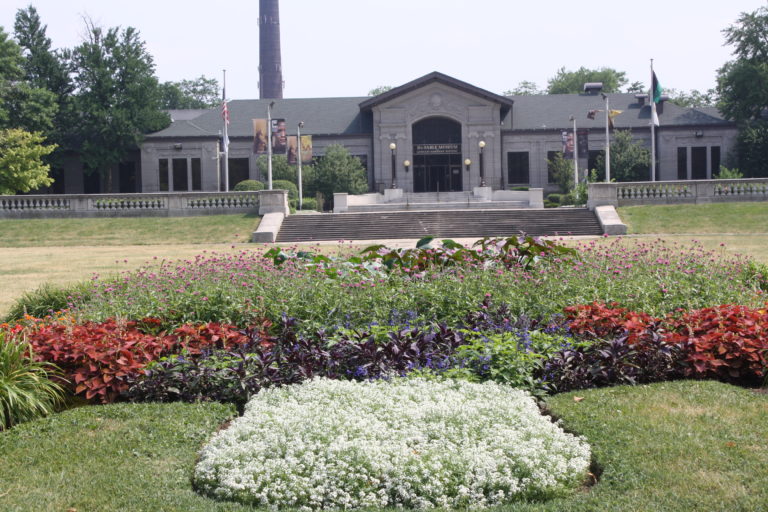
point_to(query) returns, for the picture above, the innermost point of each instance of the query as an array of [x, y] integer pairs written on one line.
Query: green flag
[[655, 88]]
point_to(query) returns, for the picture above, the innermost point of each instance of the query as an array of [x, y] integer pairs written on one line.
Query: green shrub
[[26, 390], [520, 189], [555, 198], [48, 299], [309, 203], [249, 185], [293, 192], [550, 204], [728, 174]]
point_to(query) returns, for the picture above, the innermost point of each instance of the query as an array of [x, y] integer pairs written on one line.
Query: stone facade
[[691, 143]]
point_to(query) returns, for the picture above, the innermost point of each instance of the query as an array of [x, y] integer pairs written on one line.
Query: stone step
[[453, 205], [443, 223]]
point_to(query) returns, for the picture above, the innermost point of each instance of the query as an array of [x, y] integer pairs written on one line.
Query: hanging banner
[[260, 136], [306, 149], [583, 140], [293, 148], [567, 144], [279, 137]]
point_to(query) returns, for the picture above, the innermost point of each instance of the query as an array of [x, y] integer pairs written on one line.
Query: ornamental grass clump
[[329, 444]]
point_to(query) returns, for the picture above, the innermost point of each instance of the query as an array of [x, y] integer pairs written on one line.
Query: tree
[[201, 92], [281, 169], [562, 172], [21, 161], [572, 82], [630, 161], [118, 98], [636, 87], [743, 95], [692, 98], [337, 171], [378, 90], [47, 98], [524, 88]]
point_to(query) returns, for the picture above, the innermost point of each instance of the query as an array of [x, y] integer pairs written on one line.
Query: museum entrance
[[437, 155]]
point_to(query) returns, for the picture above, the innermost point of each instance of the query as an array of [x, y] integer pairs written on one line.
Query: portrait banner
[[567, 137], [260, 136], [306, 149], [279, 137], [293, 147]]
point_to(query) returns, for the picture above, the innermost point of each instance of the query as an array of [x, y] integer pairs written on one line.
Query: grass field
[[208, 229], [675, 446], [736, 218]]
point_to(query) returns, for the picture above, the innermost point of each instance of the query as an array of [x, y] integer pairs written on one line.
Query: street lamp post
[[269, 144], [482, 167], [298, 159], [407, 165], [467, 163], [393, 148]]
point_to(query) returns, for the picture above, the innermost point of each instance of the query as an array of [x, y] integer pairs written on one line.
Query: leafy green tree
[[201, 92], [378, 90], [48, 97], [524, 88], [118, 98], [636, 87], [281, 169], [10, 72], [30, 108], [336, 171], [21, 161], [630, 161], [562, 173], [572, 82], [743, 98], [692, 98]]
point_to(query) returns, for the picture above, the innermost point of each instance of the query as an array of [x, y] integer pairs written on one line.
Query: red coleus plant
[[728, 342], [97, 357], [599, 320]]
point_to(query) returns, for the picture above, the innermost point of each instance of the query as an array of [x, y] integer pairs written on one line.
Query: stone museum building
[[435, 130]]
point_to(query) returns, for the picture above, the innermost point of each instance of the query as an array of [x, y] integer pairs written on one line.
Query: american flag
[[225, 112]]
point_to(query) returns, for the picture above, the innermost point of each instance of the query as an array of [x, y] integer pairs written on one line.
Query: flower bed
[[415, 443]]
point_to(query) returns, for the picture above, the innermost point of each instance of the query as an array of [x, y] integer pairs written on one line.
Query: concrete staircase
[[464, 223], [438, 201]]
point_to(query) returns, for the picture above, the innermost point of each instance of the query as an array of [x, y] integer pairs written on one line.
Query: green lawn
[[740, 218], [679, 446], [127, 231]]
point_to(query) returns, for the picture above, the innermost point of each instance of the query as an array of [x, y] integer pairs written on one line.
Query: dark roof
[[186, 114], [438, 77], [352, 116], [552, 112], [321, 116]]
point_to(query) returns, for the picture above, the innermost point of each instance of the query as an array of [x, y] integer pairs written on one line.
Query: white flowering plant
[[330, 444]]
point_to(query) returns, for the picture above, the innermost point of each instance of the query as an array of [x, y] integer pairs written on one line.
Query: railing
[[137, 205], [674, 192]]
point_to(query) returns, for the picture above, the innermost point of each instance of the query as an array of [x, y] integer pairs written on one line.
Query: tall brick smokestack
[[270, 67]]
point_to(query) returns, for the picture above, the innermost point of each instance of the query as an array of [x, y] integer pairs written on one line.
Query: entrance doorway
[[437, 155]]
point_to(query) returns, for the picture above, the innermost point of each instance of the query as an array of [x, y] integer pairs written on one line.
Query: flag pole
[[269, 145], [298, 160], [607, 140], [575, 155], [653, 127], [226, 134]]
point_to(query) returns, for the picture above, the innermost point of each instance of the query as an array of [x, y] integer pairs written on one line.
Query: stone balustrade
[[176, 204], [676, 192]]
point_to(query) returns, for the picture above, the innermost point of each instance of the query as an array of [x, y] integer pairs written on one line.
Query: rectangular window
[[682, 163], [518, 168], [180, 182], [197, 175], [550, 158], [715, 155], [163, 166], [238, 171], [699, 163]]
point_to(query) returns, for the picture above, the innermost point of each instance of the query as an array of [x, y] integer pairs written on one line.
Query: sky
[[348, 47]]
